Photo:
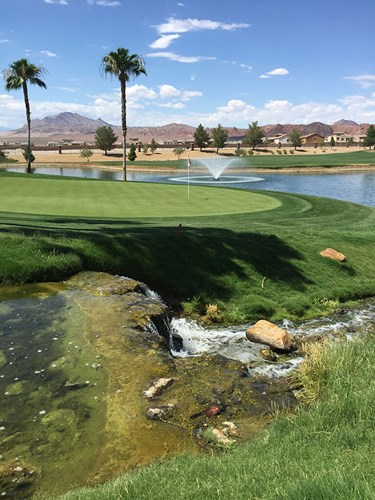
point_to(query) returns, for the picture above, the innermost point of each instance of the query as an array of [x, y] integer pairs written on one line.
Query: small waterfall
[[232, 343]]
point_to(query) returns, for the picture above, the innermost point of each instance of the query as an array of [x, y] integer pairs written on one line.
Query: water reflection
[[358, 187]]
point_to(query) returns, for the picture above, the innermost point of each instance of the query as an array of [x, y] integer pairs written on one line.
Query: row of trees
[[253, 136], [120, 64]]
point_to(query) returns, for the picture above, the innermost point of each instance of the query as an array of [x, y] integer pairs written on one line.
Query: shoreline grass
[[269, 161]]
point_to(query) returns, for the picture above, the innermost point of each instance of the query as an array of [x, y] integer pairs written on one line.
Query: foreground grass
[[325, 452], [251, 264]]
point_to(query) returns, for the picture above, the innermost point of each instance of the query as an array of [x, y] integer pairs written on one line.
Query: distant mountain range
[[79, 127]]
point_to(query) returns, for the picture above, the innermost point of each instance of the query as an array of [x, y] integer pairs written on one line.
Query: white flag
[[189, 163]]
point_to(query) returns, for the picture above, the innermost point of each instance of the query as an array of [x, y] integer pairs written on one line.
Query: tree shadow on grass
[[175, 262]]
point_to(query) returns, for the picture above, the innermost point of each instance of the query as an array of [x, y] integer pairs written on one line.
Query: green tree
[[28, 154], [86, 153], [253, 135], [146, 147], [179, 151], [295, 138], [219, 136], [332, 141], [370, 137], [17, 76], [132, 155], [123, 65], [201, 137], [350, 141], [153, 146], [105, 138]]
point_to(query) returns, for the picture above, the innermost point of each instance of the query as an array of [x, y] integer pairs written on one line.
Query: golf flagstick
[[188, 166]]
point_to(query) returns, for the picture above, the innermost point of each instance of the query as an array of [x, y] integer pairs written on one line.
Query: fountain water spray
[[216, 166]]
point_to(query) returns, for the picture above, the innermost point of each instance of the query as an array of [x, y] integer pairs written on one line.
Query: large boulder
[[330, 253], [264, 332]]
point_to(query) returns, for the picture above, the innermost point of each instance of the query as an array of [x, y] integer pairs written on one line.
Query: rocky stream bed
[[95, 379]]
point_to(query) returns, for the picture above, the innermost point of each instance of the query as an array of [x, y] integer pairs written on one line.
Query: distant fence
[[187, 145]]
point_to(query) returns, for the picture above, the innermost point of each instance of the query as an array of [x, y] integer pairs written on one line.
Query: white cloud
[[172, 105], [275, 72], [137, 92], [47, 53], [185, 25], [59, 2], [104, 3], [364, 81], [164, 41], [169, 104], [168, 91], [183, 59], [4, 41]]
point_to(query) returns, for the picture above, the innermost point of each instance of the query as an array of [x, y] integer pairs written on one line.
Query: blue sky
[[209, 62]]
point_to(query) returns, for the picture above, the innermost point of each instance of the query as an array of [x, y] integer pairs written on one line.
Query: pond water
[[358, 187]]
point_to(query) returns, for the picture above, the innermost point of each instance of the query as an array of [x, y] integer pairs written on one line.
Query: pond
[[358, 187]]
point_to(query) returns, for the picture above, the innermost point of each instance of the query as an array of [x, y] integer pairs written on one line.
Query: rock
[[330, 253], [268, 354], [158, 387], [229, 428], [160, 412], [17, 480], [264, 332], [74, 386], [222, 438], [211, 411]]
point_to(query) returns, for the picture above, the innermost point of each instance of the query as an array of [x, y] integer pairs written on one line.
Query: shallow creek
[[75, 358]]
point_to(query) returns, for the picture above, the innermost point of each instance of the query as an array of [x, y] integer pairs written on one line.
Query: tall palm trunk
[[123, 125], [28, 122]]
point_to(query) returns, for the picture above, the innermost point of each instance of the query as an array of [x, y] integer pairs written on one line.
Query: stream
[[77, 357]]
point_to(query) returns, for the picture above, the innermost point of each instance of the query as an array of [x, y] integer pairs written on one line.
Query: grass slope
[[251, 264]]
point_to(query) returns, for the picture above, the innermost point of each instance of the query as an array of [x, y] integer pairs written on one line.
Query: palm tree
[[123, 65], [16, 77]]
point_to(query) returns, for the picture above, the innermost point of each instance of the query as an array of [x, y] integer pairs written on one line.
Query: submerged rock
[[158, 387], [160, 412], [264, 332], [17, 480]]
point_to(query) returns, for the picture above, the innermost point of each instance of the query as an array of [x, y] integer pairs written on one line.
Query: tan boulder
[[330, 253], [264, 332]]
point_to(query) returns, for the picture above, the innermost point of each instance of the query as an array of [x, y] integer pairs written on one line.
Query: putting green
[[87, 198]]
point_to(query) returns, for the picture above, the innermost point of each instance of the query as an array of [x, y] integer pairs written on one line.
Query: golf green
[[91, 198]]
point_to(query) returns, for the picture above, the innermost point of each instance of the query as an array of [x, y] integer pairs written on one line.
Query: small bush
[[285, 151], [240, 152], [279, 152], [291, 151]]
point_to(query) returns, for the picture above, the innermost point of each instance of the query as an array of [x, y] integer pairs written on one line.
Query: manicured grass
[[323, 453], [69, 197], [251, 264]]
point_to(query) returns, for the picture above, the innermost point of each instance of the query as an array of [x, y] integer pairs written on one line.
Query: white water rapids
[[231, 342]]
